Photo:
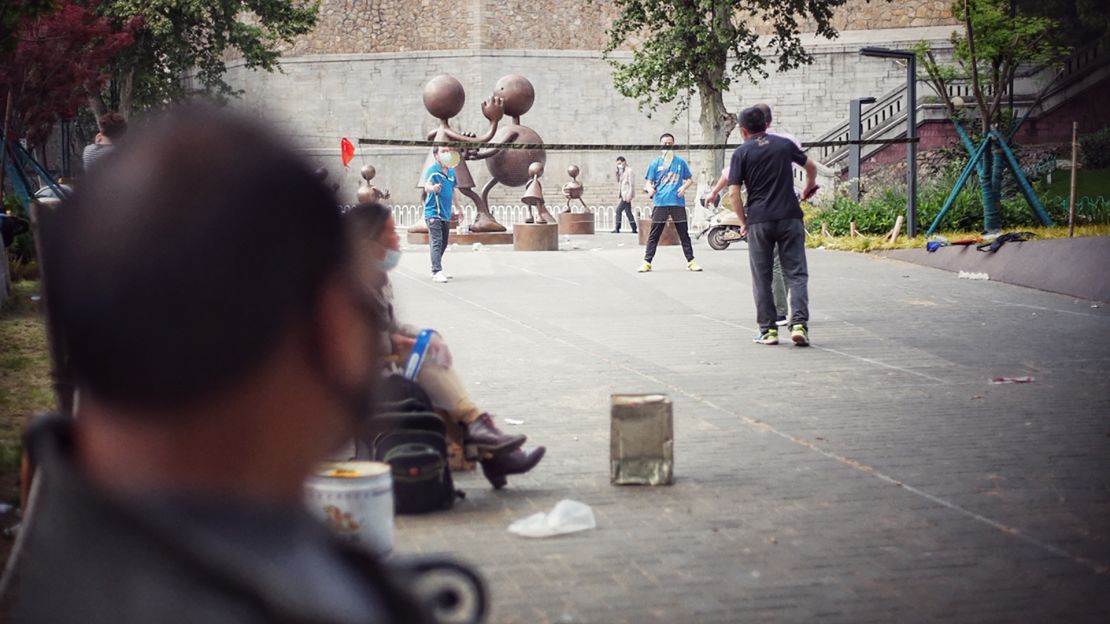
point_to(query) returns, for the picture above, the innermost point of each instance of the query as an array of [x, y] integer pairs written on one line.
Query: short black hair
[[766, 112], [181, 264], [752, 119], [621, 159], [666, 134]]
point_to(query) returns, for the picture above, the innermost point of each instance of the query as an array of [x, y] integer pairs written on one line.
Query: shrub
[[878, 209], [1096, 149], [22, 259]]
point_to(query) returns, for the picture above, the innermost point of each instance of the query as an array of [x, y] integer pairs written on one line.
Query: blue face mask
[[390, 261]]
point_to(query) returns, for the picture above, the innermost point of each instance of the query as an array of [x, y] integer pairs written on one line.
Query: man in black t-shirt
[[762, 164]]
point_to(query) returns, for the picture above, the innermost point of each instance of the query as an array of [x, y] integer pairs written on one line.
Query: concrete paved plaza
[[875, 477]]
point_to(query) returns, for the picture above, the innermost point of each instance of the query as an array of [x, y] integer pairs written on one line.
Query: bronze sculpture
[[444, 98], [574, 188], [369, 192], [513, 95]]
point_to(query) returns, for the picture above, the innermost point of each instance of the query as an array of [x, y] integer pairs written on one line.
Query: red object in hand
[[347, 150], [812, 192]]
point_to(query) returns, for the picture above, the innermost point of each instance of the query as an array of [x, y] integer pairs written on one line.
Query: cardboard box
[[641, 442]]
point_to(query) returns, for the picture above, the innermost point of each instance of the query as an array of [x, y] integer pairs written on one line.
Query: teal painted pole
[[1023, 182], [976, 156]]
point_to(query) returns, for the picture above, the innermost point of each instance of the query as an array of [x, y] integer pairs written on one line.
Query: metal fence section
[[408, 215]]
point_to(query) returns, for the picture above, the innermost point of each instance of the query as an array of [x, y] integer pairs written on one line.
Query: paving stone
[[874, 477]]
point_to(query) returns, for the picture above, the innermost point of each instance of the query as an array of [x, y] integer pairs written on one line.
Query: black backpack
[[412, 439]]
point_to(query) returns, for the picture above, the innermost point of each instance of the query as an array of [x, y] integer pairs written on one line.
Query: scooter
[[722, 229]]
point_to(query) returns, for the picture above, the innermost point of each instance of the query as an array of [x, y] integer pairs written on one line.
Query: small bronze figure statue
[[533, 194], [573, 189], [368, 192]]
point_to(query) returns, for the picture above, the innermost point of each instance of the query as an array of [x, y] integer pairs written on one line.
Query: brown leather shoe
[[485, 435], [518, 462]]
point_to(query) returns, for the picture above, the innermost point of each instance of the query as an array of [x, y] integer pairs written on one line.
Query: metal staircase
[[886, 118]]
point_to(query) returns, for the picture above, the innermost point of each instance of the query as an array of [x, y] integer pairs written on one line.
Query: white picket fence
[[407, 215]]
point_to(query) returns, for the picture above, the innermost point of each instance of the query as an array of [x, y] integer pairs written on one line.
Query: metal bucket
[[355, 500]]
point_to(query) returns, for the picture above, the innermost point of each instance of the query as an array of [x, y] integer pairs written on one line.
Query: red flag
[[347, 149]]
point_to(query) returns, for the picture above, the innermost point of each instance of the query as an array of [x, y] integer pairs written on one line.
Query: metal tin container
[[355, 500]]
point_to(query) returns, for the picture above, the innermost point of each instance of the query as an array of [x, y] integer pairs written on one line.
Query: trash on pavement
[[1012, 380], [973, 276], [567, 516]]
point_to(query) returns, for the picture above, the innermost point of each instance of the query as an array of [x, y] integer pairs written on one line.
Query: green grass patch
[[1088, 183], [25, 387], [868, 243]]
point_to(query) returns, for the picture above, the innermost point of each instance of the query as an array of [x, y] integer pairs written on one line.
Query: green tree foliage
[[987, 55], [684, 46], [1079, 21], [186, 36]]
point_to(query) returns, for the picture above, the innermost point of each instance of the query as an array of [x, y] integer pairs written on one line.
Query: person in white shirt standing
[[624, 179], [112, 126]]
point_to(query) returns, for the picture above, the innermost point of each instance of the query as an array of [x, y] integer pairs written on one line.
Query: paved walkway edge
[[1078, 267]]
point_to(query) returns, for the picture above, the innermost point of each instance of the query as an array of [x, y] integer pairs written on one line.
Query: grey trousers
[[790, 237], [778, 285], [438, 231]]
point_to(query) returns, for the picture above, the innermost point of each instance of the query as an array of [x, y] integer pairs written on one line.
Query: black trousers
[[659, 216], [623, 207], [790, 236]]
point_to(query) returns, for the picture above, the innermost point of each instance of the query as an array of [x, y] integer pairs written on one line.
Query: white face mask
[[390, 261], [449, 159]]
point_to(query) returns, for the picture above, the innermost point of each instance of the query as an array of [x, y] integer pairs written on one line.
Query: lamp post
[[911, 127], [855, 133]]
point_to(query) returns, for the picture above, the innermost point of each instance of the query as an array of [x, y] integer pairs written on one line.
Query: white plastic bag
[[567, 516]]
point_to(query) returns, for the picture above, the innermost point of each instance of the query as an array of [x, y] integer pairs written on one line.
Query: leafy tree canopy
[[185, 36], [684, 45], [57, 62]]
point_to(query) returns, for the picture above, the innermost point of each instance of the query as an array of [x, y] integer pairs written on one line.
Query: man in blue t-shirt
[[668, 177], [763, 164], [439, 192]]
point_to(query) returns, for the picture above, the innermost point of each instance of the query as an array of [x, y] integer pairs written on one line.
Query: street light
[[855, 133], [911, 127]]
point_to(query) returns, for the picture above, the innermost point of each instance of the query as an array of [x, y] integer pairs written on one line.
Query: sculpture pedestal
[[576, 223], [486, 238], [422, 225], [536, 237], [668, 237]]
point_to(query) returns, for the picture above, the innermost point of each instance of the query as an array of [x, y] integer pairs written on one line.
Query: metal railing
[[889, 112]]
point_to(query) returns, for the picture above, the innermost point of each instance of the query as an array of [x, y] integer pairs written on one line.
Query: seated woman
[[379, 248]]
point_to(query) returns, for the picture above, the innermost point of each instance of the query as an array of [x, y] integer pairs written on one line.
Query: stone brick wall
[[360, 74], [879, 14], [318, 99], [367, 26]]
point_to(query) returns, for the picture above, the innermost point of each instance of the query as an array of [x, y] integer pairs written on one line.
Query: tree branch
[[975, 87]]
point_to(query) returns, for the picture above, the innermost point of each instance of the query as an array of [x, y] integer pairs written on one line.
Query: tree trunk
[[992, 200], [716, 124], [97, 105], [126, 93], [992, 211]]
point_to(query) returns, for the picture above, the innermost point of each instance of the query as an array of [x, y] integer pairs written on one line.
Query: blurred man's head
[[112, 125], [377, 247], [202, 253]]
